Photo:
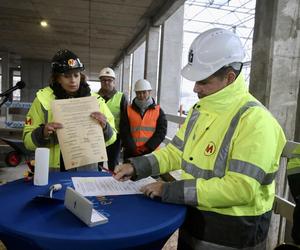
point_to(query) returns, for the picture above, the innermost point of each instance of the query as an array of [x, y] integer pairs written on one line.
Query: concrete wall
[[5, 64], [275, 74], [152, 55], [118, 71], [138, 66], [126, 75], [170, 66], [36, 75]]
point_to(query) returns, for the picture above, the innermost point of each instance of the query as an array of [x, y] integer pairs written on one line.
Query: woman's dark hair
[[60, 93], [54, 77]]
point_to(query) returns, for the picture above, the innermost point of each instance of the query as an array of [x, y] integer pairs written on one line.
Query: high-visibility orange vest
[[142, 128]]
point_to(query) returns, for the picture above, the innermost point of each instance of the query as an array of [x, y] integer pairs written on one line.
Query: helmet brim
[[192, 74], [107, 75]]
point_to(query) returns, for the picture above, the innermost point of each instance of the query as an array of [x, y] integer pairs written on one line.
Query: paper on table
[[101, 186], [81, 139]]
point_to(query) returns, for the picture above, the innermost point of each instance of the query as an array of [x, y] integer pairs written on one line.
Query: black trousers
[[234, 232], [113, 154]]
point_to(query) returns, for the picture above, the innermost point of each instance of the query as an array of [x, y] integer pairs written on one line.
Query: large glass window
[[200, 15], [94, 85], [16, 78]]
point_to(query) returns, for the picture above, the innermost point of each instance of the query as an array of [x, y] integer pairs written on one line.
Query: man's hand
[[153, 190], [100, 118], [124, 172], [50, 128]]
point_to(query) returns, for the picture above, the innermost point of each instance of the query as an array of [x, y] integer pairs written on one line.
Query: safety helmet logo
[[71, 62], [191, 57], [210, 149]]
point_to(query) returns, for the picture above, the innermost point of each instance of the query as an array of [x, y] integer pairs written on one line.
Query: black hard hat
[[65, 60]]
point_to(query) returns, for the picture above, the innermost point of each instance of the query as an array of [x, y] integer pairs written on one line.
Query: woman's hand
[[51, 128], [100, 118]]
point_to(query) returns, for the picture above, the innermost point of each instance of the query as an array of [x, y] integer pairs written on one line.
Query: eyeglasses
[[108, 80]]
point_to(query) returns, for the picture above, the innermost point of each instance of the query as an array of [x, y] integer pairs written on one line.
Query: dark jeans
[[113, 154]]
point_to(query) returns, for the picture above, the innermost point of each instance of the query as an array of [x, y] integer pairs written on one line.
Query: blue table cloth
[[135, 221]]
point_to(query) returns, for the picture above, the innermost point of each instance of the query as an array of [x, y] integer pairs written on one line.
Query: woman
[[67, 81]]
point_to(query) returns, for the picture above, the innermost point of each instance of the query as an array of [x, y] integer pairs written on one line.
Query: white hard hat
[[210, 51], [141, 85], [107, 72]]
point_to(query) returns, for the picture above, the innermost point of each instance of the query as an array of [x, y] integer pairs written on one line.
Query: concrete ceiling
[[98, 31]]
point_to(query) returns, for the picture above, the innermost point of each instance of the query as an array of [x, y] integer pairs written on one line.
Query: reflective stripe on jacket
[[40, 113], [293, 166], [114, 106], [142, 128], [229, 150], [293, 173]]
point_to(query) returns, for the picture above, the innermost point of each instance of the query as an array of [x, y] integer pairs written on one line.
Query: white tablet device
[[83, 208]]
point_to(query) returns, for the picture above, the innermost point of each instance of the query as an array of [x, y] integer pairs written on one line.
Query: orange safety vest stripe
[[142, 128]]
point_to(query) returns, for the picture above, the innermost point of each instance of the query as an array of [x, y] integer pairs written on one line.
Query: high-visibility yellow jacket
[[293, 166], [114, 105], [293, 174], [40, 113], [229, 149]]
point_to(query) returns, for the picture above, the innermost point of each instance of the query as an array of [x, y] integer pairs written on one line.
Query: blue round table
[[135, 221]]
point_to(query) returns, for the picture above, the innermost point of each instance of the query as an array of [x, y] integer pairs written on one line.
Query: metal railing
[[281, 206]]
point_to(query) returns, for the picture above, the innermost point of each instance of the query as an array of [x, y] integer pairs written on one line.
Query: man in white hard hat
[[117, 103], [228, 148], [144, 125]]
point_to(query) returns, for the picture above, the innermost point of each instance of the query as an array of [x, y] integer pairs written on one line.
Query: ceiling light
[[44, 23]]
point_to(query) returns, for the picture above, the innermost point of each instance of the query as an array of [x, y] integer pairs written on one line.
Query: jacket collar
[[135, 107], [225, 98], [46, 96], [107, 95]]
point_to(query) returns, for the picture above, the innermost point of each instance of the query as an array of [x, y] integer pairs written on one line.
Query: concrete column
[[5, 80], [118, 81], [5, 62], [138, 66], [275, 74], [297, 123], [36, 75], [126, 75], [152, 58], [170, 66]]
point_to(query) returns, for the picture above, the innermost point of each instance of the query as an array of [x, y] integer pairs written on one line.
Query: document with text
[[81, 139], [101, 186]]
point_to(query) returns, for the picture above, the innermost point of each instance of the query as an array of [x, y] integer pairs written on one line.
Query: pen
[[108, 170]]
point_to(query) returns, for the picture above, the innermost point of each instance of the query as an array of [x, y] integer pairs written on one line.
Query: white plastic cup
[[41, 168]]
